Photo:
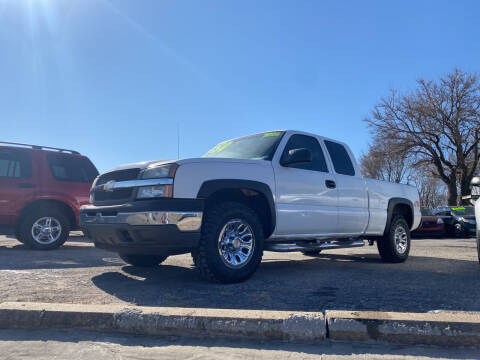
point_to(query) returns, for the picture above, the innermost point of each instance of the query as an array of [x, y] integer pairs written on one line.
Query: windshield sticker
[[458, 208], [273, 133], [220, 147]]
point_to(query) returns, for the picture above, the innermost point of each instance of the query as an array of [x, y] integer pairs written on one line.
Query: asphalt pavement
[[83, 345], [440, 274]]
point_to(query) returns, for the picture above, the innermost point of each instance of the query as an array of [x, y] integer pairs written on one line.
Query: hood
[[144, 164]]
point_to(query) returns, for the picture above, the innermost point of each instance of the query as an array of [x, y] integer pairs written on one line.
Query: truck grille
[[116, 196]]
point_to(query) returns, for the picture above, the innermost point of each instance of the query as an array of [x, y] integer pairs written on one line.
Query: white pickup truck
[[275, 191]]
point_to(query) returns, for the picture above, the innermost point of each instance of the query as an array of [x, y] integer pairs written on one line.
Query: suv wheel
[[140, 260], [231, 245], [44, 229], [394, 247], [458, 230]]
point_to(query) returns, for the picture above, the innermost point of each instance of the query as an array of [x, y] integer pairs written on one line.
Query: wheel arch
[[399, 206], [255, 194], [48, 203]]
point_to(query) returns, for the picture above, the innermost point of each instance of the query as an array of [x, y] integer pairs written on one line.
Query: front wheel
[[394, 247], [458, 230], [231, 245], [140, 260]]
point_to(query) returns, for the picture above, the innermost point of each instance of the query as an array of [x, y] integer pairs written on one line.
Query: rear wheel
[[140, 260], [231, 245], [44, 229], [394, 247]]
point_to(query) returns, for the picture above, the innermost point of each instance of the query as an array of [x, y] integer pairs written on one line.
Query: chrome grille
[[118, 195]]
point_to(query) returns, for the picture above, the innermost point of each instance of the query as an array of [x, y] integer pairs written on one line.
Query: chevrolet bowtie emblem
[[109, 186]]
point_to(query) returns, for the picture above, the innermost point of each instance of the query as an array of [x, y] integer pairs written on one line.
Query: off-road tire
[[387, 245], [207, 258], [141, 260], [26, 224], [311, 252]]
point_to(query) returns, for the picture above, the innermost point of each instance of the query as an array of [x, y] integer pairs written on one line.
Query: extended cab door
[[306, 197], [353, 213], [16, 184]]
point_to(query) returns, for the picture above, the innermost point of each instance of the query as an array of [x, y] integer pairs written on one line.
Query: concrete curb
[[439, 328], [278, 325]]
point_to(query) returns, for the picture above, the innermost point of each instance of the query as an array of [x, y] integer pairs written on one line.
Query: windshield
[[254, 147], [463, 210]]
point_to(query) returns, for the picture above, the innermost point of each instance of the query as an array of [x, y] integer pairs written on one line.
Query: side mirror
[[297, 156], [475, 181]]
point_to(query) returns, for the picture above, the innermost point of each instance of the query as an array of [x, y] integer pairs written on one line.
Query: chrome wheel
[[401, 240], [46, 230], [235, 243], [458, 230]]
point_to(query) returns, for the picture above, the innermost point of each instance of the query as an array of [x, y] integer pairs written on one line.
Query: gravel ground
[[57, 344], [440, 274]]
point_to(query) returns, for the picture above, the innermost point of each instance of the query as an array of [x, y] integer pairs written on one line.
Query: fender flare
[[391, 205], [211, 186]]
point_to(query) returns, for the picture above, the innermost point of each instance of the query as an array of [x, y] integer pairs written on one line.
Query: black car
[[459, 220]]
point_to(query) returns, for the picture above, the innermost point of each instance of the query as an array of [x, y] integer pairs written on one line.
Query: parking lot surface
[[84, 345], [440, 274]]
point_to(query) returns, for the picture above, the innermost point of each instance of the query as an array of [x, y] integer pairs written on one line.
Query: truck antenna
[[178, 139]]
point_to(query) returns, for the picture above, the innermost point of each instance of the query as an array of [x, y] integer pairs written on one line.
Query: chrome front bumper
[[185, 221]]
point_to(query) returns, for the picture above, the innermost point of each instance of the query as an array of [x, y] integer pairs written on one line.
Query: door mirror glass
[[476, 181], [297, 156]]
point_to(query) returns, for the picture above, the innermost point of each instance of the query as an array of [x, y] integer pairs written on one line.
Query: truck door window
[[340, 158], [70, 168], [298, 141], [15, 164]]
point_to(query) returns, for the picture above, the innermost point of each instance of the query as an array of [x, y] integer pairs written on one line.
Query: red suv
[[41, 191]]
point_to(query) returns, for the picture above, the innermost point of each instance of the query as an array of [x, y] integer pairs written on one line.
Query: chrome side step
[[313, 246]]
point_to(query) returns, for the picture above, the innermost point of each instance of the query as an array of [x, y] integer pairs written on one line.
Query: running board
[[312, 247]]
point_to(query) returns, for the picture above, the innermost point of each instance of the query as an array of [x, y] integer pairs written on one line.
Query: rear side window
[[340, 158], [298, 141], [71, 168], [15, 164]]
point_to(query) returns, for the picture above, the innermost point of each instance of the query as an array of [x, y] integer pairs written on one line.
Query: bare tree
[[432, 191], [438, 124], [384, 161]]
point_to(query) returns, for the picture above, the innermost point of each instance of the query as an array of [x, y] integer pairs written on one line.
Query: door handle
[[26, 186], [330, 184]]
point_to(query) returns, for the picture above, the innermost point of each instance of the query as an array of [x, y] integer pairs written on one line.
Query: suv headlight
[[158, 172], [166, 171]]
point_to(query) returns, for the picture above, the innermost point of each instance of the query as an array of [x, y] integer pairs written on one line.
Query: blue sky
[[112, 78]]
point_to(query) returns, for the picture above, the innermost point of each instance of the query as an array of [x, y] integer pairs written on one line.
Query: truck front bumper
[[165, 226]]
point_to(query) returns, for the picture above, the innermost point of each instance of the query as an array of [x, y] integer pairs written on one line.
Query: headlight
[[147, 192], [158, 172], [439, 221]]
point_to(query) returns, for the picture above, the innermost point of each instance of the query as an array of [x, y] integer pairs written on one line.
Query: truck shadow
[[359, 282]]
